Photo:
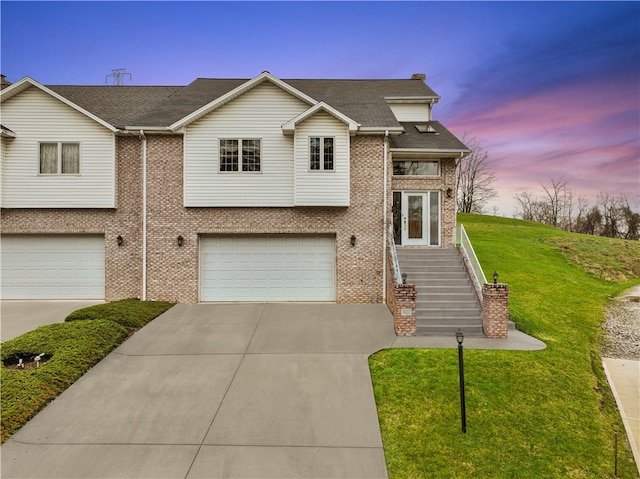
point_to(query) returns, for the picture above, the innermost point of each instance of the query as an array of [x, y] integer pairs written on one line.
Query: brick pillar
[[404, 316], [495, 310]]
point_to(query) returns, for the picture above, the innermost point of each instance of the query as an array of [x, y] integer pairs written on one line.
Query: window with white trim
[[240, 155], [59, 158], [321, 153]]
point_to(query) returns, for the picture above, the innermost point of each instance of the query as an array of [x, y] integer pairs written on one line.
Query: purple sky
[[549, 89]]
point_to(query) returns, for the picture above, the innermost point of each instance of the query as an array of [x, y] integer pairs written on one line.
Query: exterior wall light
[[495, 277], [449, 192], [353, 240], [120, 240], [180, 240]]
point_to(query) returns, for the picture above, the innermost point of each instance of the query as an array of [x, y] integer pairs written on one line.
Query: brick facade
[[123, 264], [404, 315], [172, 271], [495, 310], [446, 180]]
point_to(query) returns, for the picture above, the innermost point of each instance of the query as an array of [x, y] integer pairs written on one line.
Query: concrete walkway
[[624, 378], [226, 390]]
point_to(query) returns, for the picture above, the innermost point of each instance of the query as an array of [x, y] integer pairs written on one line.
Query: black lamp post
[[495, 277], [463, 409]]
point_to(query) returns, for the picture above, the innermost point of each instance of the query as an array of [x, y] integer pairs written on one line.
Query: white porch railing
[[467, 249], [394, 261]]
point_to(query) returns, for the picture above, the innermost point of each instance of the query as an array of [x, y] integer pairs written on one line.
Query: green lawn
[[543, 414], [71, 349]]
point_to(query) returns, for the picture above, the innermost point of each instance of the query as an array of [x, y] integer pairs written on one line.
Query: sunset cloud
[[549, 89]]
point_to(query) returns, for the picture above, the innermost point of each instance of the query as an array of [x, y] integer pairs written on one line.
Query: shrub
[[74, 348], [131, 313]]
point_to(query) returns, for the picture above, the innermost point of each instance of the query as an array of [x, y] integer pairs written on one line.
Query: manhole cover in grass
[[24, 361]]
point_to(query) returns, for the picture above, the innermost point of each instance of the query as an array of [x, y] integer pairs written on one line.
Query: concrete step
[[442, 287], [449, 330], [413, 276], [428, 305], [448, 297], [420, 267], [410, 250], [429, 259], [458, 318]]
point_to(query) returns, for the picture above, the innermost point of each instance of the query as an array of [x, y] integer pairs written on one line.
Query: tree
[[474, 179], [612, 216], [559, 203]]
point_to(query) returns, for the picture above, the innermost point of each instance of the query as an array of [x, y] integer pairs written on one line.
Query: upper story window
[[416, 168], [240, 155], [320, 153], [59, 158]]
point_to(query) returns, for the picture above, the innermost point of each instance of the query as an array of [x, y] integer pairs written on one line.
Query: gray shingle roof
[[117, 105], [441, 139], [186, 100], [161, 106], [363, 100]]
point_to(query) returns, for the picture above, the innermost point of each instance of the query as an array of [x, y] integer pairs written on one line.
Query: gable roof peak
[[27, 82], [240, 90]]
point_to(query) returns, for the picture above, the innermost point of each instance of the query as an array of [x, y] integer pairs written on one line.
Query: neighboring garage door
[[52, 266], [267, 268]]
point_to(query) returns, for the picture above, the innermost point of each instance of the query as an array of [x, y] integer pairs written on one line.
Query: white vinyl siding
[[3, 143], [52, 266], [322, 188], [267, 268], [38, 118], [258, 113], [410, 112]]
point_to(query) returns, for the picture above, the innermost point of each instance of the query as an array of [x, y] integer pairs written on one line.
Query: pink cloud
[[578, 133]]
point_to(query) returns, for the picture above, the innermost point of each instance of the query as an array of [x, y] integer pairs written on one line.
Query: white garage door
[[52, 267], [267, 268]]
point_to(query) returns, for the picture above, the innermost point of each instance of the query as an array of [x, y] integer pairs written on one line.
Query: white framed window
[[321, 157], [416, 168], [59, 158], [240, 155]]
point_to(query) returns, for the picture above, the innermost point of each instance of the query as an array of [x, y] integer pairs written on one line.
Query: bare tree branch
[[474, 179]]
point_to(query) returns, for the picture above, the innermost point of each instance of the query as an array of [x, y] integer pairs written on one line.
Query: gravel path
[[622, 327]]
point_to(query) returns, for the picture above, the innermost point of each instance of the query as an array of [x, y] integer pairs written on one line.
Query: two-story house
[[222, 190]]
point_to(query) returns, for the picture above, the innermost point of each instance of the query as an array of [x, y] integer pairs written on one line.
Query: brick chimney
[[419, 76], [4, 83]]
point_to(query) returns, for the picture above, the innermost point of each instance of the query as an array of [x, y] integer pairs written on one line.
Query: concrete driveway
[[226, 391], [18, 317], [242, 390]]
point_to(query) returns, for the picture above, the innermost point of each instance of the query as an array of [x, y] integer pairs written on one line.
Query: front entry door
[[419, 218], [414, 219]]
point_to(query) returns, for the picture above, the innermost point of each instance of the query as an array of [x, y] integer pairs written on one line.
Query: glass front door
[[416, 218]]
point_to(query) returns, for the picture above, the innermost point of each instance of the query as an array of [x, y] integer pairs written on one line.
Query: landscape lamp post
[[463, 411]]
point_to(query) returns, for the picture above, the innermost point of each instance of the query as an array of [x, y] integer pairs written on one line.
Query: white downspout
[[384, 221], [144, 215]]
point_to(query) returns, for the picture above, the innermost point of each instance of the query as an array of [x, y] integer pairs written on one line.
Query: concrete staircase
[[446, 300]]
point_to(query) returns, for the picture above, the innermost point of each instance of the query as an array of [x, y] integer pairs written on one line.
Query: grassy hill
[[543, 414]]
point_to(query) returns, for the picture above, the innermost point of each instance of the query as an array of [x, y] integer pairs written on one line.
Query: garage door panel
[[52, 267], [267, 268]]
